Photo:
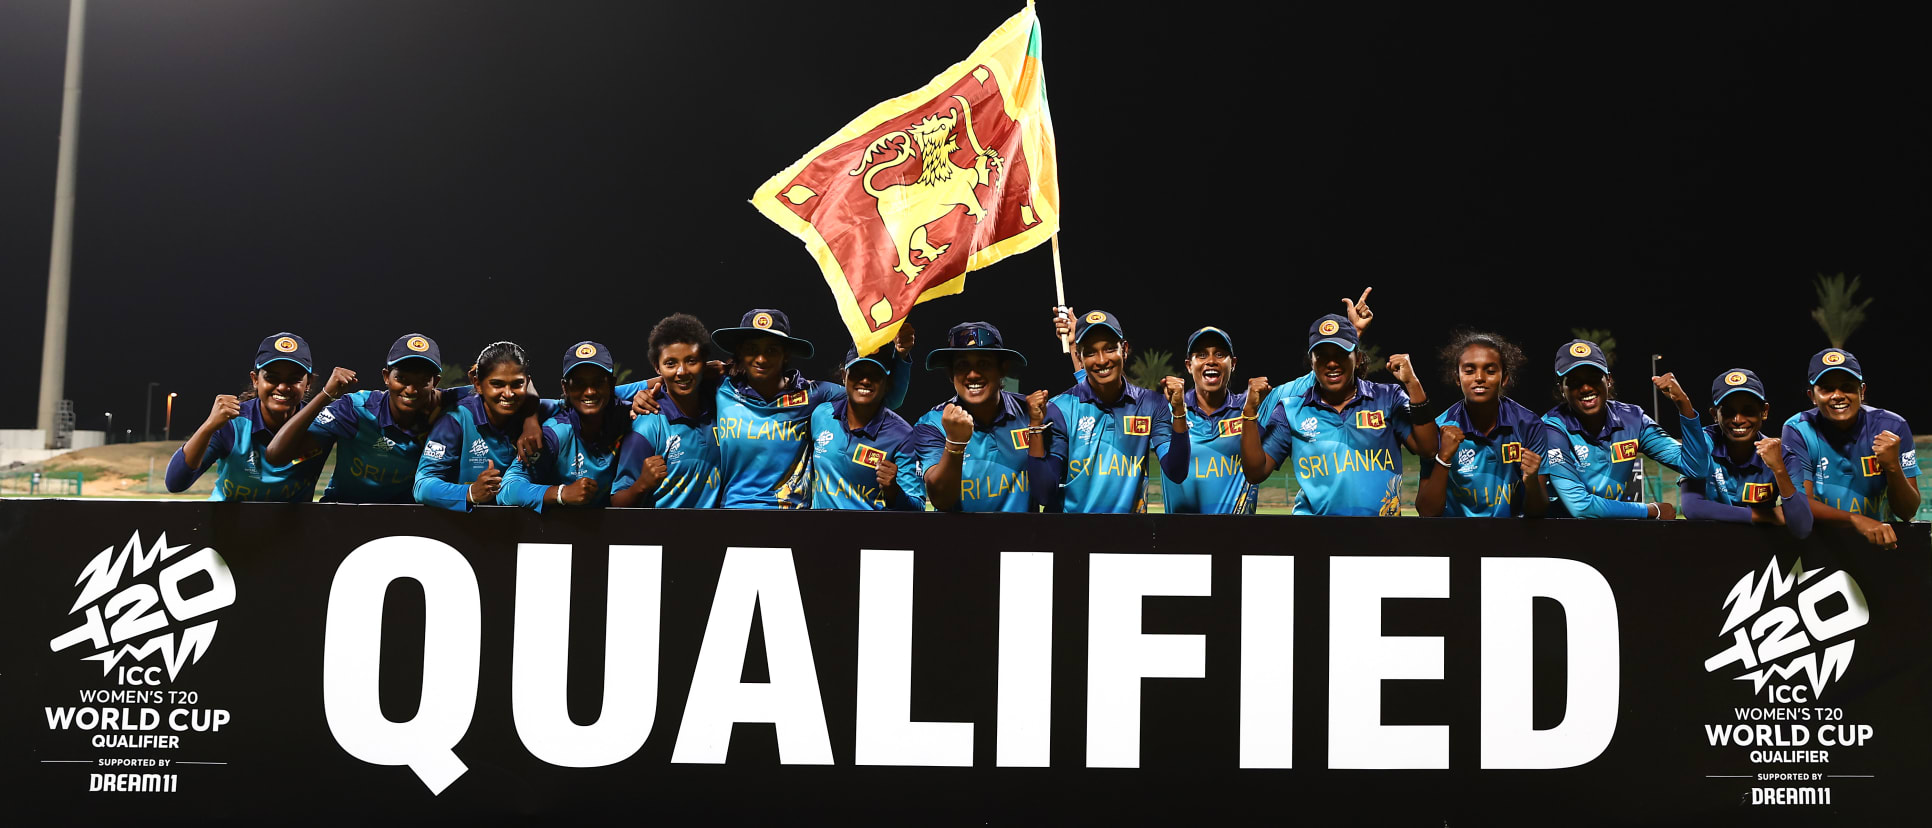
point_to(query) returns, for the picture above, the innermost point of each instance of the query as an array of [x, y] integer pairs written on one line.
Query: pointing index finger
[[1364, 299]]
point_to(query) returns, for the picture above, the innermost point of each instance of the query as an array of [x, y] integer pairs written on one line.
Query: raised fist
[[340, 381], [227, 407], [1448, 439], [1258, 389], [1771, 451], [1036, 406], [577, 492], [1886, 447], [957, 424]]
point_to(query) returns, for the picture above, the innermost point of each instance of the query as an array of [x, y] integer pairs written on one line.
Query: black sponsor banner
[[177, 661]]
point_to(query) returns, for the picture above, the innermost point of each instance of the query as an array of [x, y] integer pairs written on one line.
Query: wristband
[[1419, 413], [1254, 417], [1038, 429], [1442, 463], [958, 452], [950, 442]]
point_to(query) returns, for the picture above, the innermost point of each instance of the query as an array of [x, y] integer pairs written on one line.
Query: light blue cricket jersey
[[375, 459], [765, 446], [241, 472], [1592, 473], [463, 443], [690, 455], [993, 476], [1486, 482], [1347, 462], [845, 462], [568, 454], [1840, 464], [1750, 483], [1215, 483], [1100, 450]]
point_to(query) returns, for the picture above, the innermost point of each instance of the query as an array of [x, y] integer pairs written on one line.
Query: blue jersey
[[1215, 483], [690, 454], [241, 472], [568, 454], [1486, 482], [375, 459], [765, 447], [1731, 483], [993, 474], [1100, 450], [1840, 463], [463, 443], [1347, 462], [845, 462], [1593, 473]]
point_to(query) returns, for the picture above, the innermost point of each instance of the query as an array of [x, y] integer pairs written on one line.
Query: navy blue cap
[[762, 322], [1210, 331], [852, 357], [1834, 359], [416, 346], [286, 346], [1577, 353], [588, 352], [1097, 319], [971, 336], [1332, 328], [1733, 381]]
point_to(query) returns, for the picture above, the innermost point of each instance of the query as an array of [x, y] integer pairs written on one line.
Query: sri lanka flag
[[907, 198]]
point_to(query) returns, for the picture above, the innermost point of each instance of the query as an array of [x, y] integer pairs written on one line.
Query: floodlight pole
[[53, 348]]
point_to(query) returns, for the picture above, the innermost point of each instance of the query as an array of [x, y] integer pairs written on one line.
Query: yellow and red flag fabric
[[909, 197]]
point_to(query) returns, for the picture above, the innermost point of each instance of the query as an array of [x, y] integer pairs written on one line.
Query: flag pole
[[1059, 284]]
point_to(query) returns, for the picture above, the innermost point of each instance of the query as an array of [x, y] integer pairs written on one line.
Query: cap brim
[[1589, 363], [1096, 326], [1199, 335], [573, 366], [433, 364], [944, 356], [728, 339], [1821, 374], [882, 366], [1719, 399], [1341, 343], [309, 368]]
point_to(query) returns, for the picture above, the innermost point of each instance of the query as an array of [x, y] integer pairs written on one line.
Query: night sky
[[548, 171]]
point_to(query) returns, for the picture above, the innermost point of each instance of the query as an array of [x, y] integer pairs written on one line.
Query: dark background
[[553, 171]]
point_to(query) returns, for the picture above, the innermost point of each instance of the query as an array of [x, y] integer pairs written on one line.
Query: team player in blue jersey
[[1491, 448], [671, 459], [238, 430], [765, 411], [1213, 481], [1101, 430], [580, 443], [1748, 482], [1595, 443], [984, 450], [377, 435], [863, 456], [1343, 434], [1849, 455], [471, 444]]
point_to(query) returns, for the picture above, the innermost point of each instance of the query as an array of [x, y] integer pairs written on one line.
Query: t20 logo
[[133, 620], [1794, 637]]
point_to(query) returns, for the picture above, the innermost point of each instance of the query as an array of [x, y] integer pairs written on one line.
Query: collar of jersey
[[1129, 394], [1612, 419], [1509, 417], [1233, 401], [1723, 455], [668, 407], [793, 380], [480, 415], [1364, 391]]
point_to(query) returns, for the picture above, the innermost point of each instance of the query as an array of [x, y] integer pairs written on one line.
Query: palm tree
[[1368, 360], [1838, 312], [1604, 339], [1149, 367]]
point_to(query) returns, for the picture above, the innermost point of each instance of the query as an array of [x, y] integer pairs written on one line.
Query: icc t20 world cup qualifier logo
[[143, 603], [1799, 640]]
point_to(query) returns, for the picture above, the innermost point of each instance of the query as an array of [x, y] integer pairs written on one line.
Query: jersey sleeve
[[1908, 459], [824, 392], [901, 383], [336, 422], [1689, 458], [1797, 455], [1277, 437], [180, 476], [928, 443], [624, 393], [911, 478], [1398, 415], [437, 471], [520, 486], [634, 451], [1575, 493]]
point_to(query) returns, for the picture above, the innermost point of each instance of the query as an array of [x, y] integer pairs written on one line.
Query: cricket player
[[1849, 455]]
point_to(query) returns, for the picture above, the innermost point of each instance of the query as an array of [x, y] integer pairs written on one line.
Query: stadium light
[[110, 428], [167, 424]]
